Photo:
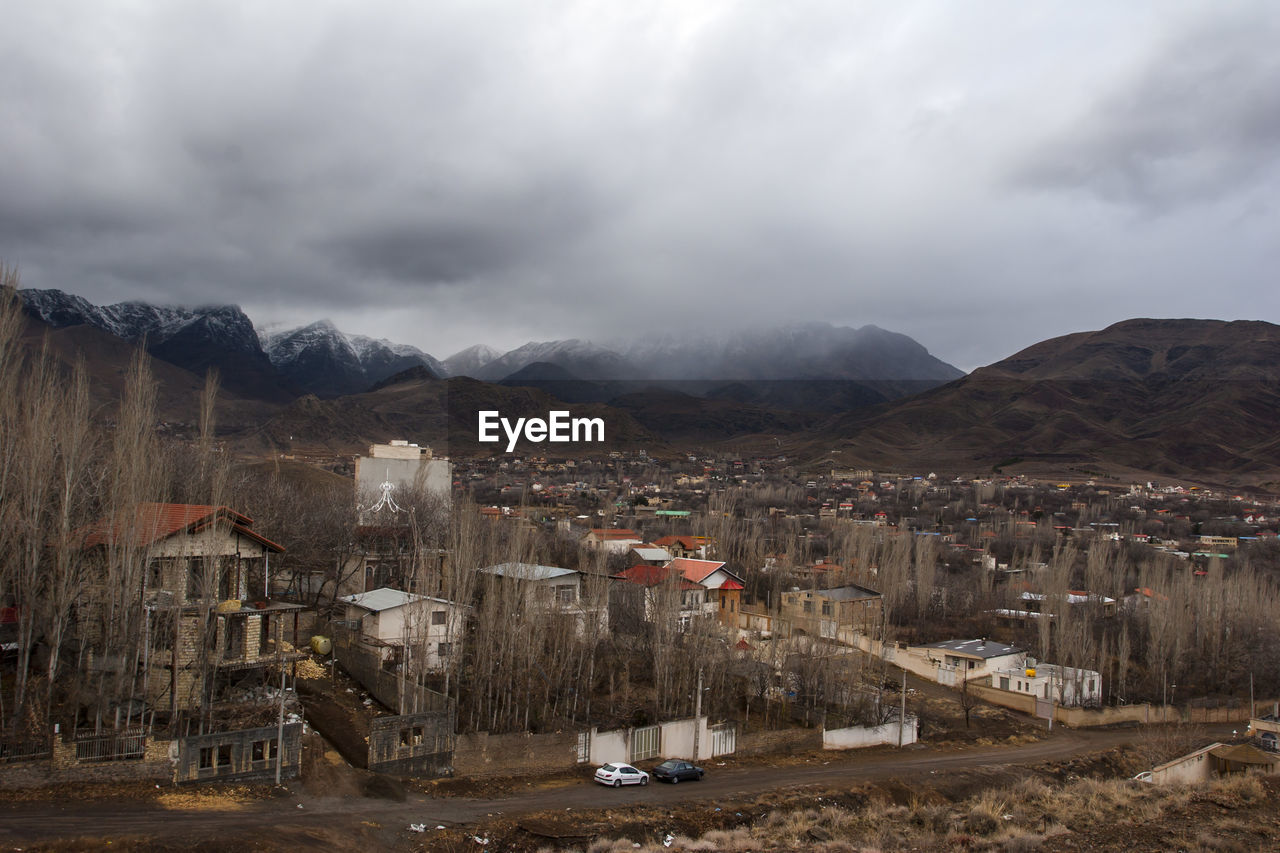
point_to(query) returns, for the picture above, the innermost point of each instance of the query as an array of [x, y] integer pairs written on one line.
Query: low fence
[[1080, 718], [13, 750], [413, 744], [123, 756], [114, 745], [856, 737]]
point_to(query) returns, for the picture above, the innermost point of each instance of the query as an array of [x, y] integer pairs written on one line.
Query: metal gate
[[584, 747], [1044, 708], [645, 743], [724, 739]]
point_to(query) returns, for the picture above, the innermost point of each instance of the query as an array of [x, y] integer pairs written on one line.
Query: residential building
[[615, 540], [207, 609], [1062, 684], [825, 612], [554, 591], [401, 625]]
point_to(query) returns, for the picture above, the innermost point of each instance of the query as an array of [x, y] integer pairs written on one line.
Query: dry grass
[[1023, 816]]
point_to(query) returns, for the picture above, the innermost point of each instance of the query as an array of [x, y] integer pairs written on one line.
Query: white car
[[621, 774]]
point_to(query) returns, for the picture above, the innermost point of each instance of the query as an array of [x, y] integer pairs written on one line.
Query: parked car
[[674, 771], [621, 774]]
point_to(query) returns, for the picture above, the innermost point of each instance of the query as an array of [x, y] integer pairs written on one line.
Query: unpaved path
[[28, 822]]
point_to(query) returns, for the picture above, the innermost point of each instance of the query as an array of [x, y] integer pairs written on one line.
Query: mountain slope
[[197, 339], [1177, 397], [470, 361], [323, 361]]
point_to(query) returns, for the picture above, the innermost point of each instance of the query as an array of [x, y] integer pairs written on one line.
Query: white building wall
[[857, 737]]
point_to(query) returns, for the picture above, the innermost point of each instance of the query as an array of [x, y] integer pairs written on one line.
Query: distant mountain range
[[1185, 398], [319, 359]]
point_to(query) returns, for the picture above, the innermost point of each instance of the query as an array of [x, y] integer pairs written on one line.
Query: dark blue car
[[674, 770]]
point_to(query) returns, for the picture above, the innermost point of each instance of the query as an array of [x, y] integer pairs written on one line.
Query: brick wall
[[783, 740], [62, 767], [413, 744], [481, 754]]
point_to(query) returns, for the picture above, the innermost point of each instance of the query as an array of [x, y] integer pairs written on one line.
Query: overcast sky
[[977, 175]]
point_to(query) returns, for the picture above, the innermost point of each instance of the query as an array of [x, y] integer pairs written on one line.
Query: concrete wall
[[610, 746], [856, 737], [1189, 769], [678, 736]]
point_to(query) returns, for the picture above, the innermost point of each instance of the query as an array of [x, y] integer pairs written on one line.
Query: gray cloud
[[1199, 122], [979, 177]]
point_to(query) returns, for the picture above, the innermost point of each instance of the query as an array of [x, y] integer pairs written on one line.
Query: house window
[[808, 607], [155, 575], [826, 608], [722, 602], [264, 633], [438, 617], [444, 649], [233, 635], [196, 575], [206, 757], [566, 594], [224, 755]]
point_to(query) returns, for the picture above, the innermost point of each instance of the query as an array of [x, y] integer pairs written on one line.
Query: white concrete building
[[1063, 684], [391, 473], [402, 624]]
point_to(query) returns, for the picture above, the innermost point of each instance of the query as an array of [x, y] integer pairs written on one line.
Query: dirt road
[[308, 817]]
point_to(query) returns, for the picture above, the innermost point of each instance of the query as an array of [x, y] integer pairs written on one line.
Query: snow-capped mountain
[[470, 361], [582, 359], [328, 363], [198, 339]]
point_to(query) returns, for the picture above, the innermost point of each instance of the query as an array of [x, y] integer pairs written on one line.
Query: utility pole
[[280, 722], [697, 716], [902, 714]]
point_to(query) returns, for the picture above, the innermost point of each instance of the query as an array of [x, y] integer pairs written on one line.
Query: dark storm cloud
[[462, 172], [1199, 121]]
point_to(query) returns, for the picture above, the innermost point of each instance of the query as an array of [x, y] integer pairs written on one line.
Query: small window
[[206, 757], [826, 608], [444, 649], [224, 755], [808, 607], [438, 617], [259, 750]]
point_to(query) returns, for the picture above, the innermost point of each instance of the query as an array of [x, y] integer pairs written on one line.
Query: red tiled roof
[[646, 575], [694, 570], [611, 533], [731, 585], [155, 521]]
